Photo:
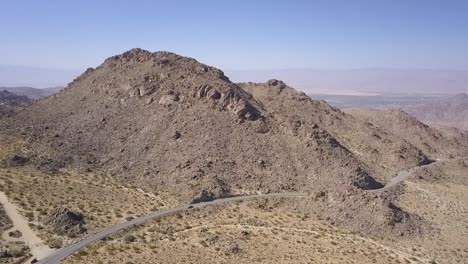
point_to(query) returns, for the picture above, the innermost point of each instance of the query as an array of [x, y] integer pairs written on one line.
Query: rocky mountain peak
[[170, 79], [275, 82], [165, 122], [162, 59]]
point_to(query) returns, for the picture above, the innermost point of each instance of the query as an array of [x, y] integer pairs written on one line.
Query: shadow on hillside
[[425, 161], [371, 184]]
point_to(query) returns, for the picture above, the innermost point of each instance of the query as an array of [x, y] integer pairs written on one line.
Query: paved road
[[60, 254], [403, 175]]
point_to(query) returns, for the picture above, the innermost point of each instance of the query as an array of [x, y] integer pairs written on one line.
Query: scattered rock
[[15, 234], [176, 135], [147, 89], [149, 100], [18, 160], [204, 196], [168, 99], [213, 94], [231, 100], [261, 163], [14, 250], [225, 243], [65, 221]]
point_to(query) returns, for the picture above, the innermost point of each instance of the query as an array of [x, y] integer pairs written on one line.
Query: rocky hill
[[164, 122], [10, 102], [452, 112], [435, 143], [8, 98]]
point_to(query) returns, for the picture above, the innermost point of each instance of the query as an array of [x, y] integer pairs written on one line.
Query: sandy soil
[[38, 247]]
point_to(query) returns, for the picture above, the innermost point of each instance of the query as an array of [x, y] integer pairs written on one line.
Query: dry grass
[[10, 145], [236, 233], [103, 201], [241, 233], [446, 207]]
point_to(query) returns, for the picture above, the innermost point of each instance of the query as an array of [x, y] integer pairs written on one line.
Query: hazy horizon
[[370, 81], [56, 41]]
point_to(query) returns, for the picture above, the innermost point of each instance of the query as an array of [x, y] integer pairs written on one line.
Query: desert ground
[[246, 232]]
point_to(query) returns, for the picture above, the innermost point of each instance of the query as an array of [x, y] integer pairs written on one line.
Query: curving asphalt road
[[403, 175], [60, 254]]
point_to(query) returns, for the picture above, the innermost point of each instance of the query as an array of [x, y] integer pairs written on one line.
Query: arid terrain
[[438, 110], [451, 112], [149, 131]]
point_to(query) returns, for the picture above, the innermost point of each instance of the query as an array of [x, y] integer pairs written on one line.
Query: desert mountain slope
[[437, 143], [388, 141], [452, 111], [169, 123], [168, 120]]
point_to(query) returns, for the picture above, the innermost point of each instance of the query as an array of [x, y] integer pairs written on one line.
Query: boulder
[[168, 99], [19, 160], [64, 221], [15, 234], [147, 89]]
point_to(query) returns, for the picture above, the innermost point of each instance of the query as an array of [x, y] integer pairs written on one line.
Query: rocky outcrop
[[228, 99], [65, 222], [225, 243], [169, 99], [15, 234]]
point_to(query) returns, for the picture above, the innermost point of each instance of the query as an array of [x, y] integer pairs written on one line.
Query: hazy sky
[[239, 34]]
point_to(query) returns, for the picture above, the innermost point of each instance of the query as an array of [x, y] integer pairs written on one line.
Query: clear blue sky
[[239, 34]]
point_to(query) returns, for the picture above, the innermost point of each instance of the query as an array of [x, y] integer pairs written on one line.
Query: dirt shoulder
[[20, 223]]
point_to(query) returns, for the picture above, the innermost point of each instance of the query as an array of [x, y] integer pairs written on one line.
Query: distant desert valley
[[153, 157]]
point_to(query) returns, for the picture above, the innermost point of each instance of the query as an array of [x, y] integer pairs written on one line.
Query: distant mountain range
[[451, 111], [377, 101], [10, 102], [32, 93], [367, 81], [364, 81], [436, 110]]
